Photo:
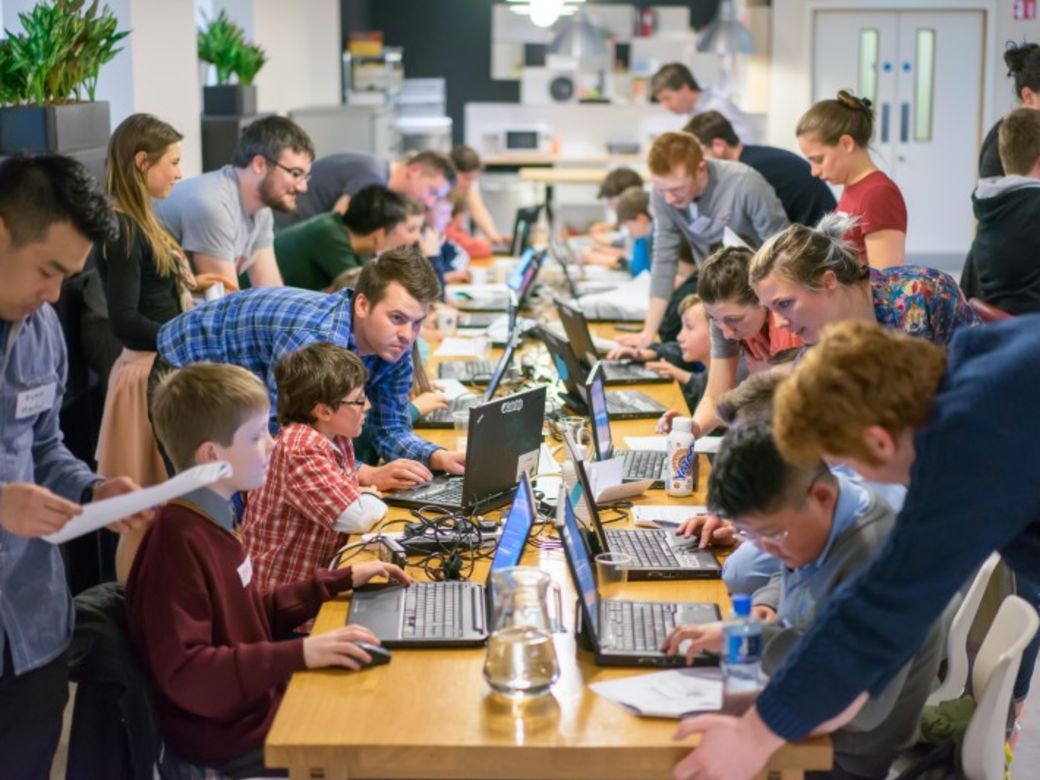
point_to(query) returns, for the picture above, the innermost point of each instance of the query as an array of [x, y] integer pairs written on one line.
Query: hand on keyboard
[[361, 573], [400, 473], [711, 529], [690, 640]]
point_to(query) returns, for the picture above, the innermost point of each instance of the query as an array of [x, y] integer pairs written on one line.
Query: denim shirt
[[35, 604]]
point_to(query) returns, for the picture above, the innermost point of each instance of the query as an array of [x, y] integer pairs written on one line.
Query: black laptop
[[615, 372], [505, 438], [479, 371], [621, 404], [442, 418], [639, 464], [621, 632], [445, 614], [657, 553]]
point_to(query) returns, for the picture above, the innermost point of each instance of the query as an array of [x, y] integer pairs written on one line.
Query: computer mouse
[[380, 655]]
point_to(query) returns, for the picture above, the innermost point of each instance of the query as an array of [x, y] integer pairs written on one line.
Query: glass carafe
[[521, 657]]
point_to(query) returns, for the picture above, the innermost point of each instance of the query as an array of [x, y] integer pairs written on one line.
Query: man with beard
[[223, 219]]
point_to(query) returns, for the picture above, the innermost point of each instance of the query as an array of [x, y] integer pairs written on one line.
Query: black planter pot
[[229, 100], [69, 127]]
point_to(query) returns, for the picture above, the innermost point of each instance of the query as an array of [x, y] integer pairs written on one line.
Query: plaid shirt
[[256, 327], [287, 527]]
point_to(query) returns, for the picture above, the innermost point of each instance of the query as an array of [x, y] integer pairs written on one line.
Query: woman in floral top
[[809, 278]]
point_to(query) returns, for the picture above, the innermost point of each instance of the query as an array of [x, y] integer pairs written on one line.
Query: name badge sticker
[[700, 224], [32, 402], [245, 571]]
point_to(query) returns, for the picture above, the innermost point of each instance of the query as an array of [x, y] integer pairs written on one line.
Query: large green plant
[[223, 44], [59, 53]]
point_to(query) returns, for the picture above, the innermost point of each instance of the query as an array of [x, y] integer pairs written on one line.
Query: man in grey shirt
[[51, 213], [223, 219], [695, 200], [824, 528], [425, 177]]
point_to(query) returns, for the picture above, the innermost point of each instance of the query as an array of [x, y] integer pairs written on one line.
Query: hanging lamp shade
[[726, 35], [577, 37]]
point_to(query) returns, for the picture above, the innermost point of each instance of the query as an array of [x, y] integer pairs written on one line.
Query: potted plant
[[223, 44], [48, 69]]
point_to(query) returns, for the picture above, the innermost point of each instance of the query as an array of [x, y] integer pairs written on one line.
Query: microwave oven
[[522, 138]]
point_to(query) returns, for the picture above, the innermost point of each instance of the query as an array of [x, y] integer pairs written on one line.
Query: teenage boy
[[675, 88], [314, 252], [824, 529], [294, 522], [1001, 268], [223, 219], [693, 201], [805, 198], [379, 320], [897, 409], [51, 214], [633, 214], [219, 649], [604, 233], [425, 177]]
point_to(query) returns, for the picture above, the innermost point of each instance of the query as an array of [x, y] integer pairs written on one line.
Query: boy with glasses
[[294, 523], [223, 219], [824, 528]]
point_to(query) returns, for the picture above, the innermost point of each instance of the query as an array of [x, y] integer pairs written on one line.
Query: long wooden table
[[430, 714]]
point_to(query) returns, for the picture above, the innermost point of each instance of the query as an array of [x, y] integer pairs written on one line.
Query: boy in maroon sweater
[[220, 651]]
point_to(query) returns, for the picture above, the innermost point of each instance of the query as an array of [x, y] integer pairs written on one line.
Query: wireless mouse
[[380, 655]]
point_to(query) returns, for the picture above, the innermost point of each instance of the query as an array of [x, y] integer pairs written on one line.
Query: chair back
[[993, 677]]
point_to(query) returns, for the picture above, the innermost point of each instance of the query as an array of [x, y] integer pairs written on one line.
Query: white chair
[[992, 680], [957, 663]]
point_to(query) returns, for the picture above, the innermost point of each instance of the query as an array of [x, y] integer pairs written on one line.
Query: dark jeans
[[31, 708]]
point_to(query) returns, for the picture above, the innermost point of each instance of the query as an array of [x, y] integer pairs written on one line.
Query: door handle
[[904, 122], [886, 110]]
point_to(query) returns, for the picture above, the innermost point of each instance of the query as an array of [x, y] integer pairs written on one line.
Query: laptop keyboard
[[459, 404], [468, 369], [448, 492], [648, 548], [433, 610], [631, 400], [638, 625], [643, 464]]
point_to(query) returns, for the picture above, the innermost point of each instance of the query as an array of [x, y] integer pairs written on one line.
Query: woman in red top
[[834, 135]]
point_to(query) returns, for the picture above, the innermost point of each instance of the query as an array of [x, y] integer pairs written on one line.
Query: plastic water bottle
[[682, 460], [741, 658]]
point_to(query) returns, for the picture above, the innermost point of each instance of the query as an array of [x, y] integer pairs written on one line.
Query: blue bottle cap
[[741, 605]]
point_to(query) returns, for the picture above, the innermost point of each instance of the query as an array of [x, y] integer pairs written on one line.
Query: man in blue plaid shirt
[[379, 320]]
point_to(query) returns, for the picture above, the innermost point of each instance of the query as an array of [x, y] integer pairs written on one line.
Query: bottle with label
[[741, 658], [682, 460]]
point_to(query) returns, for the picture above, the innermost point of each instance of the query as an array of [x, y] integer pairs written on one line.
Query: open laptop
[[520, 282], [621, 404], [445, 614], [505, 438], [657, 553], [621, 632], [615, 372], [571, 265], [639, 464], [442, 418], [475, 371]]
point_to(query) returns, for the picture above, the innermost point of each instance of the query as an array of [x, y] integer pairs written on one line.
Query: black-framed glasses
[[296, 173], [360, 402]]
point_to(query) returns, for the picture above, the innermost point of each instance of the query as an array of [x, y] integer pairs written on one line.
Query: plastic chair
[[987, 311], [957, 663], [992, 680]]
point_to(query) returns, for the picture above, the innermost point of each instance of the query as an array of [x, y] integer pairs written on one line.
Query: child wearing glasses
[[293, 523], [824, 528]]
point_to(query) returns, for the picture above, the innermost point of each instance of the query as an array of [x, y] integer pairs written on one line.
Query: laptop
[[505, 438], [455, 613], [442, 418], [621, 404], [615, 372], [520, 282], [568, 261], [621, 632], [523, 223], [657, 553], [639, 464], [478, 371]]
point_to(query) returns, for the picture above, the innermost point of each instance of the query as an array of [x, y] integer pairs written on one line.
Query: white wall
[[790, 91]]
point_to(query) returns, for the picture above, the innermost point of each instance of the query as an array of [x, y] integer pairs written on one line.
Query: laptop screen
[[583, 488], [570, 371], [577, 330], [500, 370], [516, 529], [599, 414], [522, 273], [581, 566]]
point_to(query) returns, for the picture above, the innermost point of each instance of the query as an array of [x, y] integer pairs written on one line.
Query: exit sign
[[1024, 10]]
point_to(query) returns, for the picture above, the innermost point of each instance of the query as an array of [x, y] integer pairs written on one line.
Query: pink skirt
[[126, 445]]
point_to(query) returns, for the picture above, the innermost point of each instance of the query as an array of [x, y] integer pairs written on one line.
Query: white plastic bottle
[[682, 459]]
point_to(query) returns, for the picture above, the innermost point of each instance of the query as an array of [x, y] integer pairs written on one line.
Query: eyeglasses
[[359, 403], [296, 173], [774, 539]]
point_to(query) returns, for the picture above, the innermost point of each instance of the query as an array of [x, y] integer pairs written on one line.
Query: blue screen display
[[600, 416], [580, 565], [516, 529]]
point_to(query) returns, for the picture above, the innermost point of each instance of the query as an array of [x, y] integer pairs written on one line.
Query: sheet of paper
[[707, 444], [669, 694], [667, 515], [452, 388], [627, 301], [98, 514], [731, 239], [655, 443], [454, 346], [547, 464], [607, 485]]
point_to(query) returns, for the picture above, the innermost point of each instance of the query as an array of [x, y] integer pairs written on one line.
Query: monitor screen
[[580, 565], [599, 414], [520, 272], [500, 370], [516, 529]]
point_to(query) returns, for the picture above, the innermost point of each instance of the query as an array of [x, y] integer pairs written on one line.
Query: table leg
[[550, 218]]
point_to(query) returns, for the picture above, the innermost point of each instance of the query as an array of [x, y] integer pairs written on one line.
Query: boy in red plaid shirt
[[293, 524]]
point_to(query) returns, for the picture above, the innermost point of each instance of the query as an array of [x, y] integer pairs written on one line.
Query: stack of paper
[[670, 694]]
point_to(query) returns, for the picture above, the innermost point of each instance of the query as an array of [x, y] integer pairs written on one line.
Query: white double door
[[923, 72]]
